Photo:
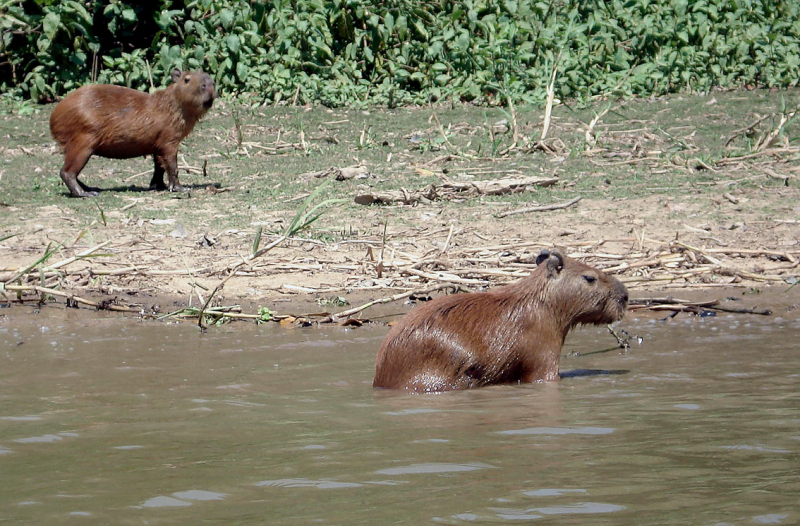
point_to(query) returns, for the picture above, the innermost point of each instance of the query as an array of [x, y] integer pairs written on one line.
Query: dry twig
[[543, 208]]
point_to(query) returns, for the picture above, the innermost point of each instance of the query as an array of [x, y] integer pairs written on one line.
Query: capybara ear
[[556, 261], [176, 75], [553, 260], [543, 255]]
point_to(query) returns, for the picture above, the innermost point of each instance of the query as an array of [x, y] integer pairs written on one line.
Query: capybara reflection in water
[[120, 123], [508, 335]]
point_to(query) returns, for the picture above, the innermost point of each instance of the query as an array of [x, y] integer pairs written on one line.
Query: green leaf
[[226, 18], [43, 44], [51, 24], [242, 70], [129, 15], [233, 43], [81, 11]]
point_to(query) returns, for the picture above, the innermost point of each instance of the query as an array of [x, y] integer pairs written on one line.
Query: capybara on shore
[[511, 334], [120, 123]]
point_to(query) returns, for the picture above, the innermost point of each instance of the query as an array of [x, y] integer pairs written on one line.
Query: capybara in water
[[120, 123], [511, 334]]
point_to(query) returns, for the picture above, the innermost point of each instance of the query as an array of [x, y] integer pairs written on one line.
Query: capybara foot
[[89, 189], [178, 188], [78, 189], [158, 186], [85, 193]]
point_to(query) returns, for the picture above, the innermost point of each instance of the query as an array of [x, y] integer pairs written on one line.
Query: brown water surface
[[107, 420]]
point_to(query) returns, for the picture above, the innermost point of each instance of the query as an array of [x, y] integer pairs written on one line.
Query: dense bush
[[338, 52]]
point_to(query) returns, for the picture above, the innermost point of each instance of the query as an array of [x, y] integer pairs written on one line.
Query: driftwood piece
[[456, 189]]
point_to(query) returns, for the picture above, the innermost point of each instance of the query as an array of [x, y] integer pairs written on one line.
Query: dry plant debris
[[455, 190], [385, 267]]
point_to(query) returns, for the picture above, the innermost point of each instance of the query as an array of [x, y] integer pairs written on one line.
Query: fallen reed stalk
[[72, 299]]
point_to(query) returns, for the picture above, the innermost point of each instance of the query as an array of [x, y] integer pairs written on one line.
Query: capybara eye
[[186, 80], [589, 279]]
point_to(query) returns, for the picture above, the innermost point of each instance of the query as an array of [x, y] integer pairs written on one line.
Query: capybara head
[[578, 293], [194, 89]]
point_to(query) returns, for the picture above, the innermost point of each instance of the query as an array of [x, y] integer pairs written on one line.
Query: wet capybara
[[120, 123], [511, 334]]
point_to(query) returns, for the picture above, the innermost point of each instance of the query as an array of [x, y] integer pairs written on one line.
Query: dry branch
[[417, 292], [679, 305], [543, 208], [456, 190], [746, 130]]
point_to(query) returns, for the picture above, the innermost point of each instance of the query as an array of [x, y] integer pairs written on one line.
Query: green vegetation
[[343, 52]]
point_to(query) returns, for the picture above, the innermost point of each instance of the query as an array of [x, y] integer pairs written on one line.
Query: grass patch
[[260, 160]]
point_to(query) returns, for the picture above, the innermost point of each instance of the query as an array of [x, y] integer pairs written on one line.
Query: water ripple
[[772, 518], [583, 508], [433, 467], [179, 498], [306, 483], [164, 502], [551, 492], [39, 440], [197, 494], [413, 411], [559, 431], [26, 418], [759, 448]]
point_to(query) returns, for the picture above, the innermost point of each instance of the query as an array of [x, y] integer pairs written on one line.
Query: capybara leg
[[73, 164], [157, 182], [171, 165]]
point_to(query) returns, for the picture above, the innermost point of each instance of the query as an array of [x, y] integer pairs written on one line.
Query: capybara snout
[[508, 335], [120, 123]]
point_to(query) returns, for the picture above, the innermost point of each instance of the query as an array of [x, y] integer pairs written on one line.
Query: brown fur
[[120, 123], [508, 335]]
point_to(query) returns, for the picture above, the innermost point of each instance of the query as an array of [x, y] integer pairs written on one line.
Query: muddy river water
[[112, 420]]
